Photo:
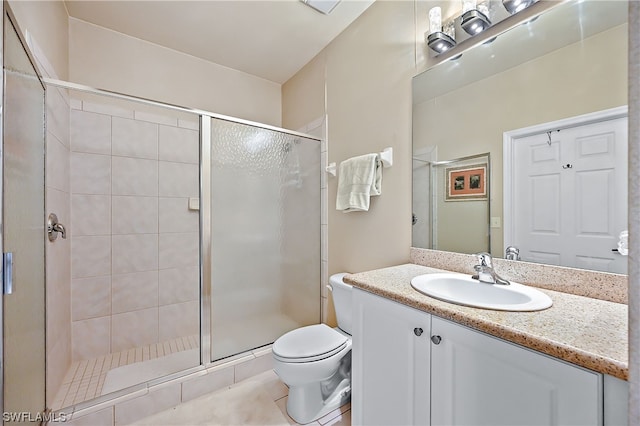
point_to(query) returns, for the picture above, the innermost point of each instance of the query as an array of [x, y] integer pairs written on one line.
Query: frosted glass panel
[[23, 209], [265, 235]]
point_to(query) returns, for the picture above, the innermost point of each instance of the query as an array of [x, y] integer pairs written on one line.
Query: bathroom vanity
[[419, 360]]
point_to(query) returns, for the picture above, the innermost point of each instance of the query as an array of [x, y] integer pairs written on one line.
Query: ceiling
[[272, 39]]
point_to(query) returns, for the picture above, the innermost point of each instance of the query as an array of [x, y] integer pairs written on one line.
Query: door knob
[[436, 339], [418, 331]]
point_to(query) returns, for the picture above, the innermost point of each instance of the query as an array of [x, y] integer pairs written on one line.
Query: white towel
[[359, 178]]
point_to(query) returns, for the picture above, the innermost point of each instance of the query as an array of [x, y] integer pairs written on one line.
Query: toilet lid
[[309, 343]]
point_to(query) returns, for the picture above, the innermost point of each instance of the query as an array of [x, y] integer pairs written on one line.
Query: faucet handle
[[485, 259]]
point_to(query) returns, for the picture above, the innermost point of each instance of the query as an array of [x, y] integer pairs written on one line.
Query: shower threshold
[[85, 379]]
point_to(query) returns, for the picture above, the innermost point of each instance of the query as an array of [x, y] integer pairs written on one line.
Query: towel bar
[[386, 156]]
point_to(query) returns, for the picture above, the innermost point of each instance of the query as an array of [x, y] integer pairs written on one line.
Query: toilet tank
[[341, 292]]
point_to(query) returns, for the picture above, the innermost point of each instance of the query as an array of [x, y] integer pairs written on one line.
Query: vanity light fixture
[[475, 18], [438, 40], [515, 6]]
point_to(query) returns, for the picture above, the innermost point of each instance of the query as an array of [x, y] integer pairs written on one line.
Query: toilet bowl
[[315, 361]]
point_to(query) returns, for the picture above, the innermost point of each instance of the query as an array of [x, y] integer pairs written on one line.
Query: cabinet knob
[[436, 339], [417, 331]]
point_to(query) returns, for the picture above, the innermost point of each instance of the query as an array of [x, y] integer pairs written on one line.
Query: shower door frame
[[9, 16], [4, 11], [205, 169], [206, 240], [206, 235]]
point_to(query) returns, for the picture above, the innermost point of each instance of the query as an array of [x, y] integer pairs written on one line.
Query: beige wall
[[303, 95], [363, 82], [367, 71], [538, 101], [48, 23], [106, 59]]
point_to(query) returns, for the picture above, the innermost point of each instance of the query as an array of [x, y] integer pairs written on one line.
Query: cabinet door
[[616, 397], [390, 369], [480, 380]]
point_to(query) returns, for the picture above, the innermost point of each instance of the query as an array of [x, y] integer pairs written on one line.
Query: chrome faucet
[[512, 253], [485, 272]]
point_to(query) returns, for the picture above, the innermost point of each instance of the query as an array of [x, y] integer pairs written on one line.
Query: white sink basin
[[464, 290]]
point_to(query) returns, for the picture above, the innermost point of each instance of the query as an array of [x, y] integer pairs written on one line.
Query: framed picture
[[466, 182]]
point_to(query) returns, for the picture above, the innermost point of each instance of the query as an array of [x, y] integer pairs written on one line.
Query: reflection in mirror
[[568, 63], [452, 214], [565, 190]]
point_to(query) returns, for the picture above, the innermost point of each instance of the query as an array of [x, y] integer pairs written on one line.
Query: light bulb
[[435, 20], [515, 6], [484, 8], [468, 5]]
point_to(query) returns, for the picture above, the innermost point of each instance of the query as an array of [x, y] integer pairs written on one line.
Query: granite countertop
[[588, 332]]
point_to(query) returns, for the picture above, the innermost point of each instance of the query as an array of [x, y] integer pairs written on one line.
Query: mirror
[[455, 188], [519, 97]]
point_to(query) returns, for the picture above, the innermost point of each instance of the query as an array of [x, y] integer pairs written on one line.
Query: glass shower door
[[23, 232], [265, 227]]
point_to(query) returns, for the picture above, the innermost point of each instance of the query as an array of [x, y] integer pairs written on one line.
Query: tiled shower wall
[[135, 242]]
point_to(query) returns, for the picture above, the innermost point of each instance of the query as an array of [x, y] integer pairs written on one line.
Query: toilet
[[315, 361]]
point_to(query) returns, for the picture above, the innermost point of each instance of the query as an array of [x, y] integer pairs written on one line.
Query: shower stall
[[190, 237], [184, 222]]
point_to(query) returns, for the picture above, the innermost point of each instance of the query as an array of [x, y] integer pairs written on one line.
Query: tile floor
[[258, 400], [84, 379]]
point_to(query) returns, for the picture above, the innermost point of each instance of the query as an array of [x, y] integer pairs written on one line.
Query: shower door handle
[[7, 273], [54, 227]]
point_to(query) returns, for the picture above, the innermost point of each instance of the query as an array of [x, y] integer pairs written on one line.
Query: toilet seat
[[308, 344]]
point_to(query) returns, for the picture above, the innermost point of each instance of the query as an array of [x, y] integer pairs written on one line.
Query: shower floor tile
[[84, 379]]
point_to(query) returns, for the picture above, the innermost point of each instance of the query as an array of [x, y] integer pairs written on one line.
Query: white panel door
[[571, 201], [390, 369], [480, 380]]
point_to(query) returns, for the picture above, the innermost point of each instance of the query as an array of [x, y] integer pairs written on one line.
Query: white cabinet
[[463, 377], [616, 397], [477, 379], [390, 368]]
